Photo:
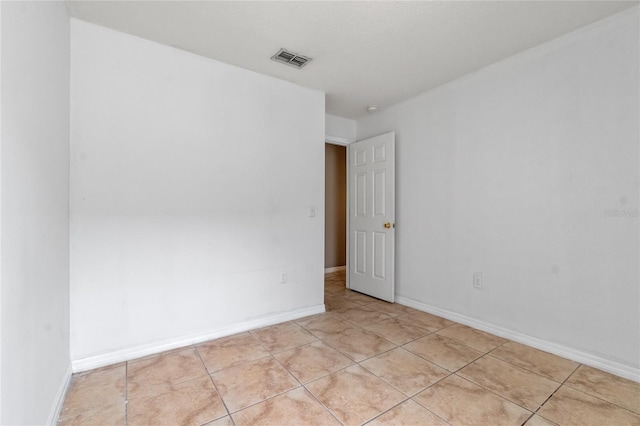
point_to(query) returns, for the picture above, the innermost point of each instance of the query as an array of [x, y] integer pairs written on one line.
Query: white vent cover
[[291, 58]]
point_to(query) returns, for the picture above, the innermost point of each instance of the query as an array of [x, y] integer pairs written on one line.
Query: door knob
[[389, 225]]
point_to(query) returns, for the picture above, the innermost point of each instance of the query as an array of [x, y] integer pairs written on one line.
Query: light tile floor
[[364, 361]]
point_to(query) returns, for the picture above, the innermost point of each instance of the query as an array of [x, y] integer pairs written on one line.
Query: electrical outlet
[[477, 280], [283, 277]]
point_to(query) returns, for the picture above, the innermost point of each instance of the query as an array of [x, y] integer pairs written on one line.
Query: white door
[[372, 216]]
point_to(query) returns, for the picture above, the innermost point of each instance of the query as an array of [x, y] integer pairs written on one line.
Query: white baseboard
[[54, 414], [127, 354], [335, 269], [612, 367]]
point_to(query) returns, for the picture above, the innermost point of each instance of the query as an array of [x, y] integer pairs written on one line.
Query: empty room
[[320, 213]]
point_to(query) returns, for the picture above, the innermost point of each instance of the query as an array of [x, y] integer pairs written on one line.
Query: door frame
[[335, 140]]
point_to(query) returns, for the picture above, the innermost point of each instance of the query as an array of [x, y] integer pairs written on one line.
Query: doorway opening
[[360, 214], [335, 222]]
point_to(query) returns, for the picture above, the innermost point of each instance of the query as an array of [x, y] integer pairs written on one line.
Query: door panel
[[361, 194], [372, 179], [360, 253], [379, 193], [379, 246]]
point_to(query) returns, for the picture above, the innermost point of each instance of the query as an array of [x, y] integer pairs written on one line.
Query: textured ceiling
[[363, 52]]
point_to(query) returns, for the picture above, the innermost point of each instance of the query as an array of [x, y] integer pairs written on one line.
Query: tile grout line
[[489, 353], [229, 413], [586, 393], [324, 375], [179, 381], [503, 397], [399, 390], [407, 398], [529, 370], [224, 404], [264, 400], [563, 383], [558, 388], [238, 364], [433, 332], [528, 418], [426, 408], [552, 394], [441, 366], [397, 346], [126, 393], [342, 369], [496, 394], [287, 370], [320, 402], [537, 374]]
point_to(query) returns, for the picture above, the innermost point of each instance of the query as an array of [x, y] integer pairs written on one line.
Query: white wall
[[0, 212], [340, 129], [34, 208], [191, 185], [510, 171]]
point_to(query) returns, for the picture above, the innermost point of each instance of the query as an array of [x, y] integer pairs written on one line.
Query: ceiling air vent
[[291, 58]]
